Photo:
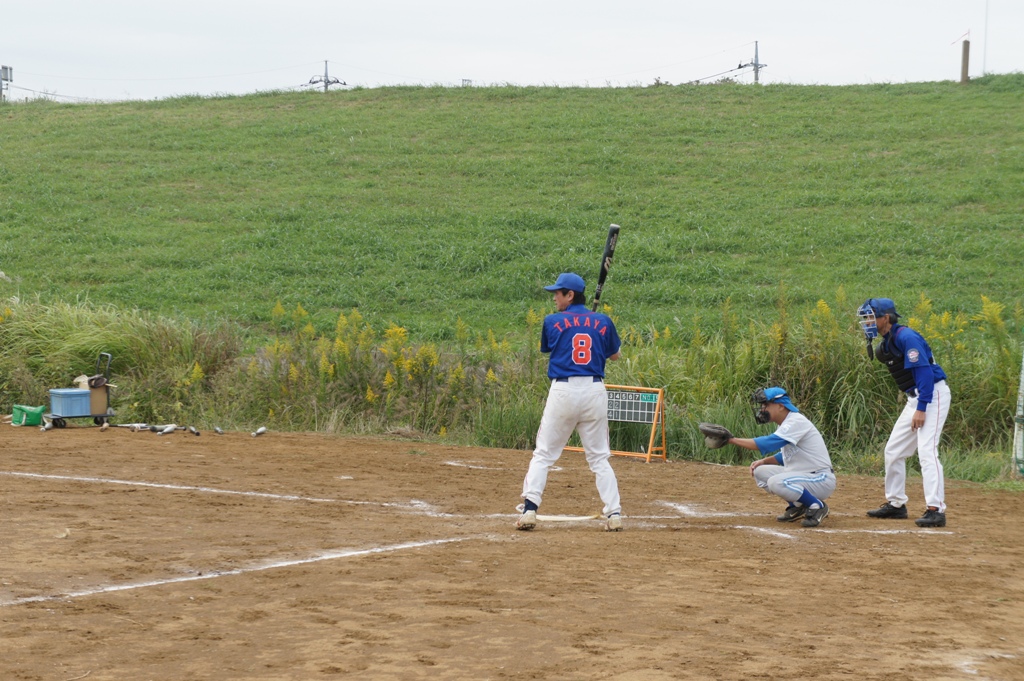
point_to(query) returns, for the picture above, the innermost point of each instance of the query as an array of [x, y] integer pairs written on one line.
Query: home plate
[[567, 518]]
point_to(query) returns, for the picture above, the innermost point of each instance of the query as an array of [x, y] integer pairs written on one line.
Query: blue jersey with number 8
[[580, 342]]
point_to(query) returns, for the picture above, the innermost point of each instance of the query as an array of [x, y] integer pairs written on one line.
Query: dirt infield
[[299, 556]]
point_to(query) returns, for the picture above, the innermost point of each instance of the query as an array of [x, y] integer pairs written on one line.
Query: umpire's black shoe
[[931, 518], [815, 516], [887, 510], [792, 512]]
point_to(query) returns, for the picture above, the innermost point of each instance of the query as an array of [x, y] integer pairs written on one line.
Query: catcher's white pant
[[578, 404], [790, 485], [903, 442]]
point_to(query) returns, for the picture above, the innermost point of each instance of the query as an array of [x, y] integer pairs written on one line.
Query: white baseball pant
[[790, 485], [903, 442], [578, 404]]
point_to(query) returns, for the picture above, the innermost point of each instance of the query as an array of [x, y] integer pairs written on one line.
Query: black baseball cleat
[[931, 518], [887, 510], [815, 516], [791, 513]]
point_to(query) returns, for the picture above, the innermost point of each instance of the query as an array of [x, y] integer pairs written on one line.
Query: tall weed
[[489, 390]]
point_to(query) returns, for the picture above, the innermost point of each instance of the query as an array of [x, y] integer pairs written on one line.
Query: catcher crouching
[[799, 471]]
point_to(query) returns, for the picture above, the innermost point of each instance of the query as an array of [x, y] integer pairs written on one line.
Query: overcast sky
[[145, 49]]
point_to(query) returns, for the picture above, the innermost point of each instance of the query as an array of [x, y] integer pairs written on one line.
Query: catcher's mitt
[[715, 436]]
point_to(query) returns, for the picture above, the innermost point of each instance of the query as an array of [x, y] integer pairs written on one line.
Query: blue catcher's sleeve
[[769, 443]]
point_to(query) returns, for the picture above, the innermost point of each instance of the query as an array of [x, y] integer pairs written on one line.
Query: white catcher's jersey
[[805, 450]]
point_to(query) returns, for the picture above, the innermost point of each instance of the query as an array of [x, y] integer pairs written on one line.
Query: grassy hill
[[423, 205]]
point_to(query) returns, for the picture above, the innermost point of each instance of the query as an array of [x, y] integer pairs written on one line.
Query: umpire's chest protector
[[891, 356]]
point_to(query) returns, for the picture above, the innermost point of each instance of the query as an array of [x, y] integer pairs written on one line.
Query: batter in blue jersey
[[579, 342]]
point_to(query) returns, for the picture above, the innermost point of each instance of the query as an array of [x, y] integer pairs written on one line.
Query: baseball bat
[[606, 262]]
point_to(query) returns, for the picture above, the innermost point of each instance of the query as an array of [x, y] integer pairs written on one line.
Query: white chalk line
[[922, 531], [328, 555], [765, 530], [463, 464], [693, 512], [474, 466], [690, 511], [415, 504]]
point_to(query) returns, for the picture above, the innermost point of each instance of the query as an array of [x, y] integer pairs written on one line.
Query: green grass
[[422, 205], [165, 232]]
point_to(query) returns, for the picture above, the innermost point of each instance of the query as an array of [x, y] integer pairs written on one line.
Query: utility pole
[[756, 64], [6, 76], [965, 59], [326, 79]]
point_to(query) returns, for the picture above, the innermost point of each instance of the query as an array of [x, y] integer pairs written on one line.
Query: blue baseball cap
[[779, 396], [568, 280], [881, 306]]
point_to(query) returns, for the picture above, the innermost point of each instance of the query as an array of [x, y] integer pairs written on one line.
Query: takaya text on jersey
[[580, 342]]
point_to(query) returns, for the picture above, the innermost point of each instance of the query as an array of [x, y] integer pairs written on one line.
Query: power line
[[738, 68], [227, 75], [56, 94], [680, 63]]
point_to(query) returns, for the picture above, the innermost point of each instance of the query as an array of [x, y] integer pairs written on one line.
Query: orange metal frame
[[653, 451]]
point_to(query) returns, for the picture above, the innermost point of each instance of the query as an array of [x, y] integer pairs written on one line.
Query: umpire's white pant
[[903, 442], [577, 404]]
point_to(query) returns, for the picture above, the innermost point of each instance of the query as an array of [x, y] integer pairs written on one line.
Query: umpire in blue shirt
[[912, 367]]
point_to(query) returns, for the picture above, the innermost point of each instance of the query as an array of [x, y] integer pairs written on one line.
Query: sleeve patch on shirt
[[913, 355]]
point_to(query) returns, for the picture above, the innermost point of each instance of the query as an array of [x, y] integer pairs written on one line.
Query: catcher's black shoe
[[887, 510], [815, 516], [931, 518], [792, 512]]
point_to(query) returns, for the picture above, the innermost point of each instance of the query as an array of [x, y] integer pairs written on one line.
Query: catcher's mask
[[760, 401], [761, 398]]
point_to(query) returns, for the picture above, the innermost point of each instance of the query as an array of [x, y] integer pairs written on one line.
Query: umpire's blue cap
[[882, 306], [568, 280]]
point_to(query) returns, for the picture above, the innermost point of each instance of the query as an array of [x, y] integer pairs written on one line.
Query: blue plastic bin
[[69, 402]]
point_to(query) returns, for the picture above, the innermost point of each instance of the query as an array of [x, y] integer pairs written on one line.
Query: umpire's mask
[[866, 316]]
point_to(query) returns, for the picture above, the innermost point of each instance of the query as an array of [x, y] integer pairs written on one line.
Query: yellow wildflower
[[461, 331], [991, 314], [923, 309], [371, 396], [456, 376], [389, 380], [341, 349], [298, 314], [197, 373], [293, 372], [326, 368], [277, 314], [491, 377]]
